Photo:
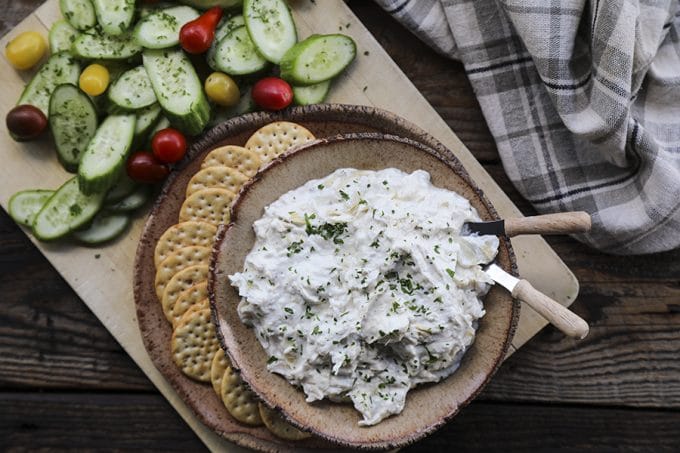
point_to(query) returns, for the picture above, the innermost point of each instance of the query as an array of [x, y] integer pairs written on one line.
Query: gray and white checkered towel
[[583, 100]]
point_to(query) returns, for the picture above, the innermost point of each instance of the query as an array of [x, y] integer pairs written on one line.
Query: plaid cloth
[[583, 100]]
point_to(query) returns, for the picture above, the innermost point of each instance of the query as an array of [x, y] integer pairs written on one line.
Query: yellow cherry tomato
[[94, 80], [26, 50], [221, 89]]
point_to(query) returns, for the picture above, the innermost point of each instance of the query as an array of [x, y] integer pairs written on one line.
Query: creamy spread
[[359, 286]]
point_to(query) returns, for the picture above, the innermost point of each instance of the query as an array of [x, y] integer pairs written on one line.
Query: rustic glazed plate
[[427, 407], [324, 120]]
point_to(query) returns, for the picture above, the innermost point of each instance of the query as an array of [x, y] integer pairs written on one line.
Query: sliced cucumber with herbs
[[178, 89], [133, 201], [162, 123], [67, 209], [24, 205], [79, 13], [236, 54], [95, 44], [160, 29], [104, 227], [60, 68], [114, 16], [311, 94], [132, 90], [317, 59], [205, 4], [245, 105], [270, 26], [61, 36], [123, 187], [226, 27], [102, 162], [147, 118], [73, 122]]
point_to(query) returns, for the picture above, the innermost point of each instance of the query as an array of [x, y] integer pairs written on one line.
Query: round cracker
[[181, 235], [220, 176], [181, 281], [239, 400], [236, 157], [181, 259], [276, 138], [208, 205], [278, 425], [219, 366], [187, 299], [194, 344]]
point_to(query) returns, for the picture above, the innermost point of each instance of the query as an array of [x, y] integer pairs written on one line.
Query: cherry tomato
[[26, 50], [222, 90], [144, 167], [272, 93], [168, 145], [25, 122], [94, 79], [197, 35]]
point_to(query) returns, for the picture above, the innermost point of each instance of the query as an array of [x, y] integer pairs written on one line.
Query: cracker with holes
[[181, 235], [181, 281], [276, 138], [194, 344], [221, 177], [208, 205], [188, 298], [181, 259], [236, 157], [279, 426], [219, 366], [239, 400]]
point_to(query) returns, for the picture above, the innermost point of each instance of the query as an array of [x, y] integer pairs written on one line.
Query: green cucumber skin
[[114, 16], [67, 209], [147, 119], [25, 205], [104, 179], [194, 116], [61, 36], [252, 17], [79, 13], [105, 227], [132, 90], [289, 62], [95, 45], [311, 94], [133, 201], [60, 68]]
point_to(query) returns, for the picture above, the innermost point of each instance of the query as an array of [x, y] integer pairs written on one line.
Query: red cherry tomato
[[144, 167], [272, 93], [197, 35], [25, 122], [168, 145]]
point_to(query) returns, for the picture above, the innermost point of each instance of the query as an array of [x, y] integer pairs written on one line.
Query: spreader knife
[[560, 223]]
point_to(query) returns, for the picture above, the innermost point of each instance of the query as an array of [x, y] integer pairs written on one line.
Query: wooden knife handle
[[560, 223], [559, 316]]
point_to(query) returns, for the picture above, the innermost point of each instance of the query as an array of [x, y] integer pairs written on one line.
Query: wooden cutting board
[[103, 277]]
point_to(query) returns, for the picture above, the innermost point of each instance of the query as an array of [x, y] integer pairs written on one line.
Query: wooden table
[[65, 383]]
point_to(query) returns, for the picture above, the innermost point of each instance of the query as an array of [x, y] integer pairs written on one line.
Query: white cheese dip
[[360, 287]]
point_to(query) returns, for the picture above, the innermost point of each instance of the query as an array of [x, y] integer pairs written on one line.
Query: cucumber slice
[[103, 160], [66, 210], [161, 29], [58, 69], [270, 26], [73, 121], [226, 27], [163, 123], [245, 105], [104, 227], [146, 119], [79, 13], [95, 45], [317, 59], [61, 36], [206, 4], [134, 201], [114, 16], [24, 205], [178, 89], [311, 94], [132, 90], [124, 187], [236, 54]]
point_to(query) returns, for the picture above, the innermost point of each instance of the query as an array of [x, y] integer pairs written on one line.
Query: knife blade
[[560, 223], [558, 315]]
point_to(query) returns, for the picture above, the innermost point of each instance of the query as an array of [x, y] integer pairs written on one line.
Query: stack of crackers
[[182, 257]]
